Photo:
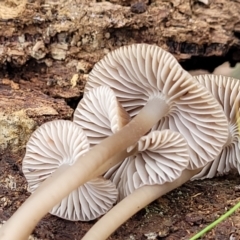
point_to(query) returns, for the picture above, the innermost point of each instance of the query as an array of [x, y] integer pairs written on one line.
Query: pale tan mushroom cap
[[88, 202], [227, 92], [59, 143], [162, 154], [140, 72], [100, 114], [161, 158]]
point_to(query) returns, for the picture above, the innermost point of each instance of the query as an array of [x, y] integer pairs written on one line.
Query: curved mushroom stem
[[131, 205], [85, 168]]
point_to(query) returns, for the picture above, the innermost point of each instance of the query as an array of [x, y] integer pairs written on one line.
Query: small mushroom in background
[[227, 92], [226, 70], [154, 89], [58, 144], [223, 69]]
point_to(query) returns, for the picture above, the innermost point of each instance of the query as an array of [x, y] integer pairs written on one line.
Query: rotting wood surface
[[86, 30], [22, 109]]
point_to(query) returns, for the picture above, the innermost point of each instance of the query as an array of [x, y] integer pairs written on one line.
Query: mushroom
[[158, 157], [145, 76], [58, 144], [148, 82], [227, 92], [100, 114]]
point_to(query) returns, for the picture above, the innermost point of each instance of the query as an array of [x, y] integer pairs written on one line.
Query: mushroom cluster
[[158, 157], [143, 127]]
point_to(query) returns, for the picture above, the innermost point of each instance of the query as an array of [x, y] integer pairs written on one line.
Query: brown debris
[[139, 7], [74, 28], [22, 110]]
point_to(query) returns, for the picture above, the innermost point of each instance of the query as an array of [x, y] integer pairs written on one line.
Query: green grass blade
[[212, 225]]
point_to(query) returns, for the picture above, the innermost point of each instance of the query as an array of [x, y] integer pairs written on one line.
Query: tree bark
[[86, 30]]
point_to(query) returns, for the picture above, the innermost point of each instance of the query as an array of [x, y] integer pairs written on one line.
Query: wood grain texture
[[87, 30]]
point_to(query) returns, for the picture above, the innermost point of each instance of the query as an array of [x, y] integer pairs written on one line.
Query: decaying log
[[86, 30]]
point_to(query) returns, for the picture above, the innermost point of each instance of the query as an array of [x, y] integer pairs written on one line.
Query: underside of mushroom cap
[[139, 72], [100, 114], [57, 144], [88, 202], [227, 92], [161, 158]]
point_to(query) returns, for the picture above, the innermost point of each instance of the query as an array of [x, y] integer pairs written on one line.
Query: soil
[[177, 215]]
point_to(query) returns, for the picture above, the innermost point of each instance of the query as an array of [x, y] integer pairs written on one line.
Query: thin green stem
[[212, 225]]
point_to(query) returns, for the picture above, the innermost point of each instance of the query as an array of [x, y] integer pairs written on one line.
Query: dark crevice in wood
[[211, 62]]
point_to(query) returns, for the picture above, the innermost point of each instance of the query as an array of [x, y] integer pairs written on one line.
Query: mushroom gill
[[226, 91], [58, 144]]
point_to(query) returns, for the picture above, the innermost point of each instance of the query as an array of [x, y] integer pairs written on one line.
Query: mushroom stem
[[131, 205], [84, 169]]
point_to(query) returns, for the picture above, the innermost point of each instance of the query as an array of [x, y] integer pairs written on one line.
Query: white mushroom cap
[[161, 158], [140, 72], [100, 114], [227, 92], [60, 143]]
